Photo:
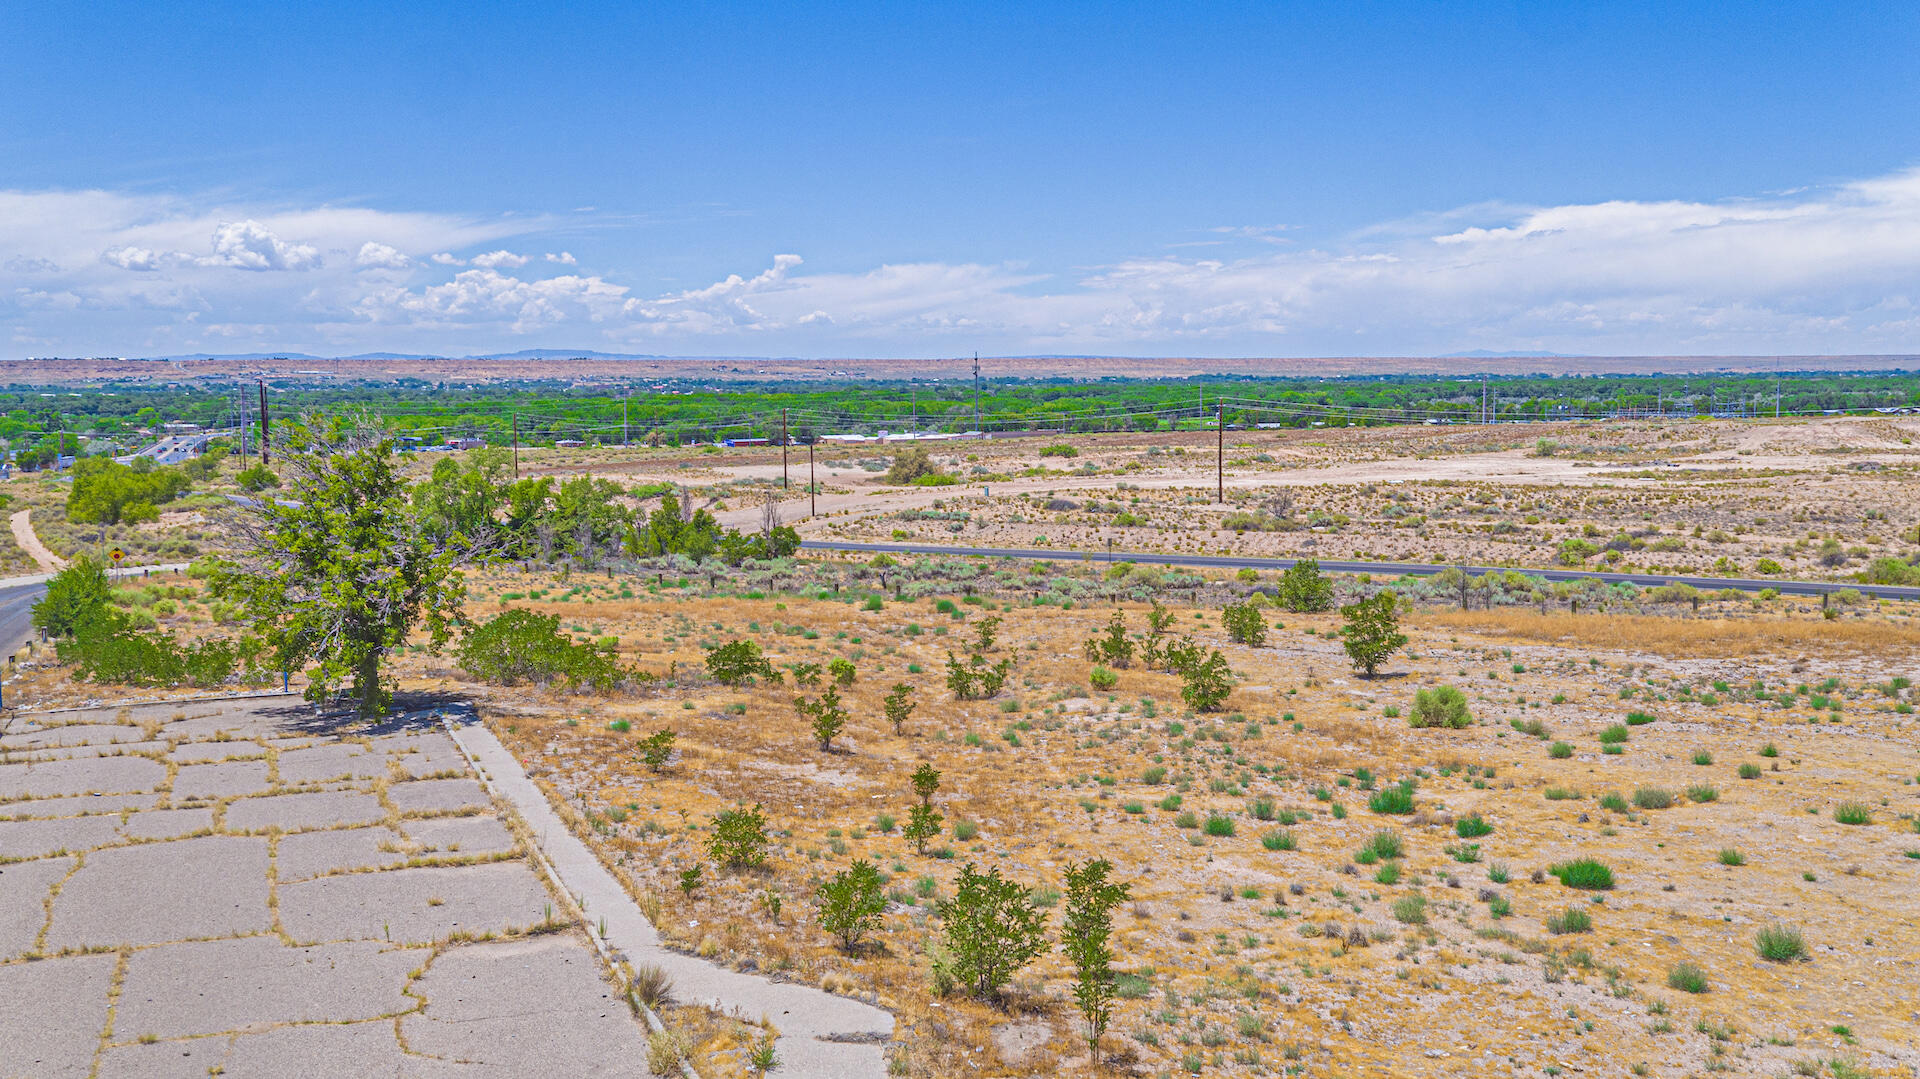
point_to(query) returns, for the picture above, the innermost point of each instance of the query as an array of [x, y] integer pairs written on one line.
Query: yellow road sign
[[117, 554]]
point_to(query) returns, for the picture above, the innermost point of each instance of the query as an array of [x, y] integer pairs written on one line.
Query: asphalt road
[[1396, 569], [16, 614]]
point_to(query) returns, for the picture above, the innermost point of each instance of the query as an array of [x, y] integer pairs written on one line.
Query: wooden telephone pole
[[1220, 450], [263, 421]]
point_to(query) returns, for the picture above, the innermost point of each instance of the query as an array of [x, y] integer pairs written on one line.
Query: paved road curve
[[1417, 569]]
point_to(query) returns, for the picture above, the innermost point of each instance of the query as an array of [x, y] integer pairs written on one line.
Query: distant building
[[179, 427], [568, 444], [466, 443]]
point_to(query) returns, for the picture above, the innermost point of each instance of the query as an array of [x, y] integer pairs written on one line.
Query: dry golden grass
[[1672, 636]]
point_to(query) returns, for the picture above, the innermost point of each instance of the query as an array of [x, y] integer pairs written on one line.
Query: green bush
[[1570, 920], [1852, 813], [992, 928], [1442, 706], [851, 903], [1244, 624], [1371, 632], [1397, 799], [1218, 825], [1653, 798], [1560, 751], [1280, 839], [1384, 845], [739, 663], [522, 646], [1687, 977], [1472, 826], [1302, 588], [1614, 734], [1589, 874], [739, 838], [75, 595], [1102, 677], [1780, 944], [107, 492], [1207, 684]]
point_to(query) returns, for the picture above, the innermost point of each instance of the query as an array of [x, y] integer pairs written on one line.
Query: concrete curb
[[821, 1034]]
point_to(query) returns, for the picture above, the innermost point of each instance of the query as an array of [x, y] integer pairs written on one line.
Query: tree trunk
[[366, 683]]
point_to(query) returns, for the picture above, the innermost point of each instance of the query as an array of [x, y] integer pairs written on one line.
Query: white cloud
[[249, 245], [379, 256], [494, 260], [1832, 269]]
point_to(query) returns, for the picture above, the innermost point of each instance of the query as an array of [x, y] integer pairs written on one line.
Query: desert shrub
[[1410, 909], [1397, 799], [1614, 734], [1371, 632], [1749, 771], [739, 839], [1852, 813], [1702, 757], [974, 679], [1280, 839], [522, 646], [1653, 798], [898, 705], [1085, 932], [1687, 977], [1244, 624], [923, 823], [851, 903], [1384, 845], [992, 928], [1218, 825], [1059, 449], [1614, 800], [1472, 826], [1102, 678], [1441, 706], [107, 492], [256, 479], [825, 714], [656, 749], [1112, 648], [1731, 857], [1639, 719], [1589, 874], [739, 663], [1302, 588], [1207, 684], [841, 670], [1780, 944], [910, 464], [1560, 751], [1703, 793], [1570, 920], [75, 595]]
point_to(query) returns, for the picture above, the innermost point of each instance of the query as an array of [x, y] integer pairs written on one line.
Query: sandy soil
[[29, 541]]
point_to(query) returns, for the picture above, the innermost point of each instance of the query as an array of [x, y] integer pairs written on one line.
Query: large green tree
[[342, 566]]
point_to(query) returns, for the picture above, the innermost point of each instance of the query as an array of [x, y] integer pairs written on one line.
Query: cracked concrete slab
[[528, 1007], [74, 734], [317, 763], [73, 807], [192, 1058], [437, 795], [421, 755], [296, 812], [459, 835], [24, 887], [168, 823], [255, 982], [309, 854], [81, 775], [223, 779], [399, 905], [38, 838], [53, 1012], [209, 752], [156, 892]]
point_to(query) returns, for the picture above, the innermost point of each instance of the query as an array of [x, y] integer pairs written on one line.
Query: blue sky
[[1153, 179]]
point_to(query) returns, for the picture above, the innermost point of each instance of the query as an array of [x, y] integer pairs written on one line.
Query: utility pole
[[976, 393], [263, 421], [1220, 450], [813, 488], [626, 433], [516, 445], [783, 449], [246, 426]]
